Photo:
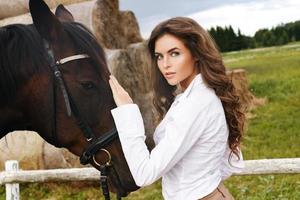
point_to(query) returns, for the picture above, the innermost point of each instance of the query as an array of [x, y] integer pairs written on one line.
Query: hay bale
[[114, 29], [33, 152], [82, 13], [10, 8], [24, 146]]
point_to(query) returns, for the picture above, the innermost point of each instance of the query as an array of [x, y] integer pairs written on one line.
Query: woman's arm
[[184, 126], [182, 130]]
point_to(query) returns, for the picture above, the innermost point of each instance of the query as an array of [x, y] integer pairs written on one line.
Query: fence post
[[12, 190]]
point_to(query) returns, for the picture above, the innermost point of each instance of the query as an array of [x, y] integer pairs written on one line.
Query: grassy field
[[273, 132]]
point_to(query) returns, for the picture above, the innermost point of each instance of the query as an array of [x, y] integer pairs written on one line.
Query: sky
[[246, 15]]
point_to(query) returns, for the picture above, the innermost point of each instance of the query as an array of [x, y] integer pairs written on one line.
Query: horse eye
[[88, 85]]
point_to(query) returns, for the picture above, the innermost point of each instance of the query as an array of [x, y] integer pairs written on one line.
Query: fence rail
[[12, 175], [252, 167]]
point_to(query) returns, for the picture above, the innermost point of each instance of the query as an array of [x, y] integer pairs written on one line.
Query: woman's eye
[[174, 53], [88, 85], [158, 57]]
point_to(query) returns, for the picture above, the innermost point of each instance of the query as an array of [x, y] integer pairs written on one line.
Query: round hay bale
[[10, 8]]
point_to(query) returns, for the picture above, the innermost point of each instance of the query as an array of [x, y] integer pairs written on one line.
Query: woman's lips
[[169, 75]]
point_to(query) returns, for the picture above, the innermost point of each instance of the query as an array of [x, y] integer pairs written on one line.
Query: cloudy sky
[[248, 15]]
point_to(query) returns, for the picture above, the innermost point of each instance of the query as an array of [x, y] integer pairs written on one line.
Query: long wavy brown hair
[[210, 65]]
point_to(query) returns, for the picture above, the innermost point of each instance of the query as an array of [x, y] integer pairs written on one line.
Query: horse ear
[[44, 20], [63, 14]]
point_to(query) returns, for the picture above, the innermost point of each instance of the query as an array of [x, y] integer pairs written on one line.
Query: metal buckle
[[108, 163]]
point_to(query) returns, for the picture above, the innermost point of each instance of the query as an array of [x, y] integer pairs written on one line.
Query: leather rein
[[95, 144]]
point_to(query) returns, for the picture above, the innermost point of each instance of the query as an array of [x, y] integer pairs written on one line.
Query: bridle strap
[[54, 125], [71, 58], [58, 76], [103, 181], [97, 144], [83, 125], [104, 168]]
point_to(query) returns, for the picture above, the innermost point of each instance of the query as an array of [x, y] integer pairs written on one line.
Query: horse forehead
[[79, 67]]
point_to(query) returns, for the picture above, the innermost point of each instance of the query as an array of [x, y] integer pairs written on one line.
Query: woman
[[198, 137]]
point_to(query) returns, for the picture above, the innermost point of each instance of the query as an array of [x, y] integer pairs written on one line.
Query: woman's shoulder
[[197, 103], [203, 96]]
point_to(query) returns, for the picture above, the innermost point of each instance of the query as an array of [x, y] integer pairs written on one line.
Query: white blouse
[[191, 152]]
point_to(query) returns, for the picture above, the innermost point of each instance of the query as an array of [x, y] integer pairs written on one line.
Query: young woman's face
[[175, 61]]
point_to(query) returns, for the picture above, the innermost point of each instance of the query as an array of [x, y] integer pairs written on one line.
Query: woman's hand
[[120, 95]]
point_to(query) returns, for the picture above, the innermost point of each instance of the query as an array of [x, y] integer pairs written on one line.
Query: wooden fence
[[13, 176]]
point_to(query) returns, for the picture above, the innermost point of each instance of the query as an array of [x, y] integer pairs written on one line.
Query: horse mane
[[22, 54]]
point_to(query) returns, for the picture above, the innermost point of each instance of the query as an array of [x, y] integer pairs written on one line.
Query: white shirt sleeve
[[231, 163], [182, 131]]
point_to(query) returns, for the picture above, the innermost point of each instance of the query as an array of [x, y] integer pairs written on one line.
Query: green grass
[[273, 132]]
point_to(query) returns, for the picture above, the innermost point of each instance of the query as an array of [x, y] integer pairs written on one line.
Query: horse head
[[56, 83]]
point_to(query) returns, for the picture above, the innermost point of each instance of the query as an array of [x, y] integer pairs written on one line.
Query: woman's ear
[[197, 64]]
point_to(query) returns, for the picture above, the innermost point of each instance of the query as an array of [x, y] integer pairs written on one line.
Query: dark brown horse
[[65, 110]]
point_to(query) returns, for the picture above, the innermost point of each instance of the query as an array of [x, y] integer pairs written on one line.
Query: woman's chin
[[172, 82]]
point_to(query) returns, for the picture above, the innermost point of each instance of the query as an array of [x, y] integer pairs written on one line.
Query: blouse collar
[[196, 81]]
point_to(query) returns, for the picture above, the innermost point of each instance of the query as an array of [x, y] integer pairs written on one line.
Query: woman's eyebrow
[[173, 49], [170, 50]]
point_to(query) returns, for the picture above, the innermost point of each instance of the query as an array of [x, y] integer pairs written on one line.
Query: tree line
[[228, 40]]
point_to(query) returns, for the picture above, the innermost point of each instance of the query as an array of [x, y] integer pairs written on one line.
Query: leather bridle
[[95, 144]]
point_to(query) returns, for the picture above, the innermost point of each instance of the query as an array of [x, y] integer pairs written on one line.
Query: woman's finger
[[120, 95], [117, 84], [112, 86], [113, 83]]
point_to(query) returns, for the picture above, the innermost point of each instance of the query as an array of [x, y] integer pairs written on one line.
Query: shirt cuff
[[128, 121]]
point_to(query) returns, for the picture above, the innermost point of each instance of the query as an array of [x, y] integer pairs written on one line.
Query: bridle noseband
[[96, 144]]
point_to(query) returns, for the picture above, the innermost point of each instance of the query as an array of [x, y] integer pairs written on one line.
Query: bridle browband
[[96, 144]]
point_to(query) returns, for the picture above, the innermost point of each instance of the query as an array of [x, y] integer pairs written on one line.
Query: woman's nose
[[166, 63]]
